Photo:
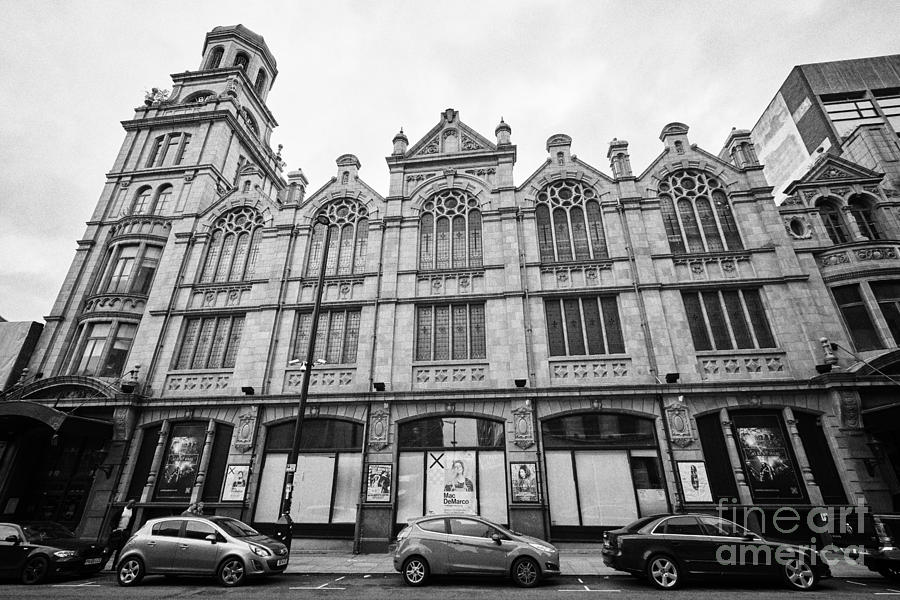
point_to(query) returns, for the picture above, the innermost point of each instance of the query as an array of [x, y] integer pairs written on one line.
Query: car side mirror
[[12, 539], [496, 537], [212, 538]]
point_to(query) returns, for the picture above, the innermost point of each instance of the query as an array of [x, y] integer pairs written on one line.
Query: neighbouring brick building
[[562, 354]]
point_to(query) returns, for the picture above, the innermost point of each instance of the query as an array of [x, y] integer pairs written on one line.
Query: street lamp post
[[287, 496]]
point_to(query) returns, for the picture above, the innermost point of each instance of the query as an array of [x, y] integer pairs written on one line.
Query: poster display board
[[378, 483], [181, 462], [694, 481], [451, 483], [235, 487], [767, 458], [524, 482]]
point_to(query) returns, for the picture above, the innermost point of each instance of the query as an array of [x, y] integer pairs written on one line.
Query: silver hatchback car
[[470, 545], [187, 545]]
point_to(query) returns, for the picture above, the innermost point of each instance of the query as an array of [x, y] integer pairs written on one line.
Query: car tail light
[[404, 533], [884, 540]]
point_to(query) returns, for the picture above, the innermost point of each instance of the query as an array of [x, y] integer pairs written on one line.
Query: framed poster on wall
[[452, 484], [378, 483], [767, 458], [524, 482], [181, 462], [694, 481], [235, 486]]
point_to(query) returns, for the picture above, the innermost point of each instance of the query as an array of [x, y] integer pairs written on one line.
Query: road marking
[[341, 577], [587, 589], [366, 576], [321, 587], [889, 592], [855, 582], [86, 584], [579, 580]]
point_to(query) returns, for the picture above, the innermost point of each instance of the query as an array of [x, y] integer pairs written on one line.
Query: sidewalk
[[582, 561]]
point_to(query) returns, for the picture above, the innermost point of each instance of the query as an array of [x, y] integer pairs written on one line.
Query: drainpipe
[[526, 297], [648, 344], [377, 299], [357, 530], [279, 312]]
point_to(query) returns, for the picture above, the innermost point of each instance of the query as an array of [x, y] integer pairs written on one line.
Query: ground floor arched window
[[451, 464], [328, 478], [603, 471]]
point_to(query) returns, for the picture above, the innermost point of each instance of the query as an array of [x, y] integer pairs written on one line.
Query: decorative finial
[[278, 154]]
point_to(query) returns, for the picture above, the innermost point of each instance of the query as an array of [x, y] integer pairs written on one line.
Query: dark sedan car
[[882, 550], [667, 549], [32, 551]]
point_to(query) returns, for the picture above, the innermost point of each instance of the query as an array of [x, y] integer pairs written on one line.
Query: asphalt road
[[389, 587]]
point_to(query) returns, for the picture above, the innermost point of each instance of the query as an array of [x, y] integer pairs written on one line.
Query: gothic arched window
[[215, 59], [347, 243], [141, 201], [241, 61], [862, 210], [163, 200], [696, 213], [233, 247], [260, 81], [569, 223], [833, 221], [450, 231]]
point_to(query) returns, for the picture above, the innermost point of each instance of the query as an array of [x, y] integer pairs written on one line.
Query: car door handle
[[456, 542], [676, 543], [151, 543], [183, 546]]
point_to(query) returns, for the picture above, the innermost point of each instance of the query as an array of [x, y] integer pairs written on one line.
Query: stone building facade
[[562, 354]]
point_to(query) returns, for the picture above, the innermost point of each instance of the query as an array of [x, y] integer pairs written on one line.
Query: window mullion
[[724, 306], [584, 335], [572, 237], [107, 346], [693, 202], [709, 330], [587, 228], [563, 325], [468, 330], [747, 315], [602, 320], [681, 230], [433, 330], [553, 235]]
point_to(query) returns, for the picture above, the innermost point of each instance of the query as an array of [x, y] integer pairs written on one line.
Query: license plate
[[282, 562], [92, 561]]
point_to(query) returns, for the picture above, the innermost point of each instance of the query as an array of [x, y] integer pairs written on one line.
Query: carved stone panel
[[850, 410], [523, 427], [679, 420], [243, 439], [379, 429]]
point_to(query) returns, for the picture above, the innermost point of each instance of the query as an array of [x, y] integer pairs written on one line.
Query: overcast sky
[[352, 73]]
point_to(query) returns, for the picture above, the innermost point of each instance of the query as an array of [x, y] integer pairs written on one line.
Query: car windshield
[[37, 532], [234, 528]]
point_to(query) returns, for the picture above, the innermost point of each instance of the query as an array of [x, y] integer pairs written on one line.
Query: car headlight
[[259, 550], [542, 547], [64, 554]]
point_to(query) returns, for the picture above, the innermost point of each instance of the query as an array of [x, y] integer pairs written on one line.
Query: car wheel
[[798, 574], [130, 571], [892, 573], [35, 570], [415, 571], [231, 572], [663, 573], [526, 572]]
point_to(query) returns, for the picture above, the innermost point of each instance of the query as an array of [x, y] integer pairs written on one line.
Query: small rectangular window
[[727, 317], [582, 326], [450, 332], [337, 336], [209, 343]]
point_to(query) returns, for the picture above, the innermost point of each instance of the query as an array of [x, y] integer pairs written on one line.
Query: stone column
[[812, 488], [852, 226], [744, 496], [204, 461], [157, 462]]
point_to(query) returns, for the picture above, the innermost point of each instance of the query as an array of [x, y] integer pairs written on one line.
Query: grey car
[[470, 545], [188, 545]]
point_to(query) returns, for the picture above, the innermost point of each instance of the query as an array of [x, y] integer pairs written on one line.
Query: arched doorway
[[328, 480], [603, 471], [452, 464]]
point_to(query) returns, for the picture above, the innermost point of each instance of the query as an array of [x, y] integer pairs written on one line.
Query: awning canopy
[[16, 413]]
